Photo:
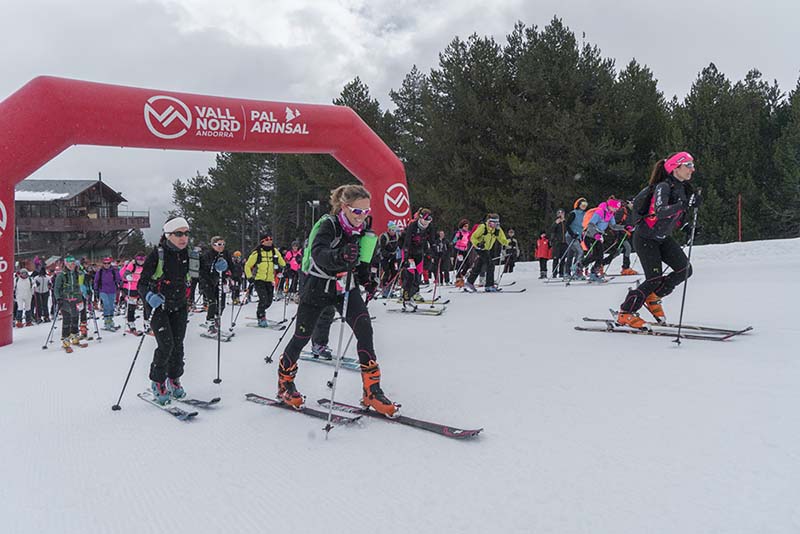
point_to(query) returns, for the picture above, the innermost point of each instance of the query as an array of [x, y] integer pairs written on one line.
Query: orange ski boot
[[373, 395], [628, 272], [653, 304], [630, 319], [287, 392]]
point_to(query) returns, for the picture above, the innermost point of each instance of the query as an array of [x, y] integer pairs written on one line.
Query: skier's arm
[[321, 252], [501, 236], [248, 265], [477, 236], [661, 207], [146, 283]]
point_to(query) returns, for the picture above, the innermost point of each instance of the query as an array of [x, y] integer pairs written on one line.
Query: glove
[[412, 265], [128, 277], [154, 299], [460, 257], [221, 265], [349, 254], [598, 237], [84, 291], [695, 200]]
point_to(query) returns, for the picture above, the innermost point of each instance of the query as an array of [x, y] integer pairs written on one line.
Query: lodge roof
[[48, 190]]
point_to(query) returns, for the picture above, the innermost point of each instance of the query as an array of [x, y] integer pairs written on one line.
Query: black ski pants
[[559, 258], [322, 330], [169, 328], [652, 254], [211, 293], [482, 263], [266, 292], [69, 316], [308, 314]]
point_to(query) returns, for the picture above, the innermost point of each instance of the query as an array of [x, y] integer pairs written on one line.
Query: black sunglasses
[[181, 233]]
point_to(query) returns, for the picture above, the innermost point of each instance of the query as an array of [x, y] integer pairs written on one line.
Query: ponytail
[[659, 173]]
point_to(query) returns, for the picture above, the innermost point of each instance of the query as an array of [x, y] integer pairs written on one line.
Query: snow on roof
[[38, 196]]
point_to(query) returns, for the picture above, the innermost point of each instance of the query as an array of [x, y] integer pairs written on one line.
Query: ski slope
[[584, 432]]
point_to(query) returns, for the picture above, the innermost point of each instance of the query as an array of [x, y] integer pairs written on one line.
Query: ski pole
[[218, 319], [128, 279], [285, 303], [52, 327], [464, 260], [339, 355], [686, 278], [233, 321], [268, 359], [436, 280], [116, 407], [94, 319]]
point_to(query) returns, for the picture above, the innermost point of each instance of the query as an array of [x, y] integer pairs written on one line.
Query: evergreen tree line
[[526, 127]]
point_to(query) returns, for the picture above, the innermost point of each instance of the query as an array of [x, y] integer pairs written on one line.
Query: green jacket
[[68, 284], [484, 238]]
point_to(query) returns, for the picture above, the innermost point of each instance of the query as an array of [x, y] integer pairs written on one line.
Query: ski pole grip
[[366, 246]]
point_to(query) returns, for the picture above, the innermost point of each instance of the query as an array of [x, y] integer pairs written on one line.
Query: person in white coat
[[23, 293]]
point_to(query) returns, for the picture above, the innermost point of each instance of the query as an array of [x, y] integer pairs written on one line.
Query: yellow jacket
[[263, 260], [484, 237]]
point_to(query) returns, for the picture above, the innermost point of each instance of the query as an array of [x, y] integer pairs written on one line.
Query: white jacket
[[23, 289]]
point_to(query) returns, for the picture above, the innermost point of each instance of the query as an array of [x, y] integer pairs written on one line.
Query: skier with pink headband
[[663, 207], [601, 219]]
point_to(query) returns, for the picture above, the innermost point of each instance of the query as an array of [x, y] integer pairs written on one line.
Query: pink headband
[[675, 161]]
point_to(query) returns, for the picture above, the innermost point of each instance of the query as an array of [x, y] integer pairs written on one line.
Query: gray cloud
[[306, 50]]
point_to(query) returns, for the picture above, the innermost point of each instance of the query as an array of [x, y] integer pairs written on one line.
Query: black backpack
[[641, 204]]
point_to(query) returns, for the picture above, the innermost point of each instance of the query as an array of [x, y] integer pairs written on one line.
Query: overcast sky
[[306, 50]]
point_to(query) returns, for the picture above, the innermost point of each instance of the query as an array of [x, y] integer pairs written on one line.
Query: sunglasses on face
[[688, 165], [219, 244], [359, 211], [181, 233], [106, 263], [426, 217], [266, 239], [493, 221]]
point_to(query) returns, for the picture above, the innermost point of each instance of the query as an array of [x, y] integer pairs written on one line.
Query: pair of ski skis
[[697, 332], [355, 413], [176, 411]]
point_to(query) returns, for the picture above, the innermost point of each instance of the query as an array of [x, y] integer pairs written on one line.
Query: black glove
[[694, 200], [349, 254]]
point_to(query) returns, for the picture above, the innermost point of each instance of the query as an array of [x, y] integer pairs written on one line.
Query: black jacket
[[207, 272], [326, 256], [172, 284], [418, 240], [558, 232], [668, 208]]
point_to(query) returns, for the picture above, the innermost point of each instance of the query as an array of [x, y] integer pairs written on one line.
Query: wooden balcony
[[80, 224]]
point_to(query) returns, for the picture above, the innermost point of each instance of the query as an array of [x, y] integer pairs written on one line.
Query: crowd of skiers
[[342, 253]]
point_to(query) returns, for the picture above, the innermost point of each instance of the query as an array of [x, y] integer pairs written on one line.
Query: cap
[[675, 161], [265, 235], [173, 224], [107, 259], [237, 253], [578, 202], [69, 257], [614, 204]]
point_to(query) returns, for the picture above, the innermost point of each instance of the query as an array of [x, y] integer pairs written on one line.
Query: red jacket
[[543, 250]]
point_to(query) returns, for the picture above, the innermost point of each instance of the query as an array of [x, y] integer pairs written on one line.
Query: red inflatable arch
[[49, 114]]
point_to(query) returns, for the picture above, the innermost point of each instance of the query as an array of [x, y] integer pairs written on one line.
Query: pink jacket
[[293, 258], [135, 271]]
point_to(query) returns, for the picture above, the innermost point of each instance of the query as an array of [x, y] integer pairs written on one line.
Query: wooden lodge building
[[80, 217]]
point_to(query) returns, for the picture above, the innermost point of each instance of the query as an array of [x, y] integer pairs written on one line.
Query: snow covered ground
[[584, 432]]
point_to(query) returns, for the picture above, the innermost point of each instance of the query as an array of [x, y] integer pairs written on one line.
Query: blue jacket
[[576, 222]]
